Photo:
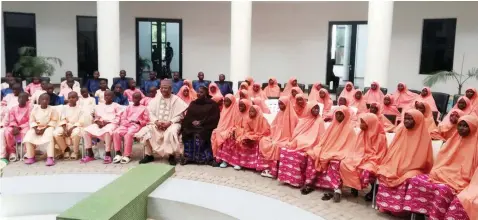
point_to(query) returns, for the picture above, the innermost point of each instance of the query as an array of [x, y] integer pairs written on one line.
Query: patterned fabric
[[391, 199], [427, 198], [198, 150], [241, 156], [330, 179], [366, 178], [263, 164], [456, 211], [292, 167]]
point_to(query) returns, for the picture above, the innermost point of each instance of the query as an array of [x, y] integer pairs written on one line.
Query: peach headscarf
[[259, 94], [214, 94], [243, 86], [292, 98], [409, 154], [326, 101], [348, 94], [457, 159], [336, 142], [250, 80], [360, 104], [446, 129], [374, 95], [469, 197], [428, 99], [392, 108], [262, 104], [289, 86], [308, 131], [187, 99], [299, 110], [404, 99], [225, 125], [429, 121], [272, 90], [192, 92], [386, 124], [255, 128], [474, 99], [281, 131], [314, 93], [370, 147], [243, 116]]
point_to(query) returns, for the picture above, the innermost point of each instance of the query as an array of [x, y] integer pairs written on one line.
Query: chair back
[[228, 82], [28, 80], [239, 84], [441, 100], [338, 91], [78, 79], [455, 99], [391, 118], [415, 91], [384, 90], [435, 117], [264, 85], [207, 81]]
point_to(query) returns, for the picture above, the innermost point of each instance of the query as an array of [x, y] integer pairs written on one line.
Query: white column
[[108, 40], [241, 16], [380, 17]]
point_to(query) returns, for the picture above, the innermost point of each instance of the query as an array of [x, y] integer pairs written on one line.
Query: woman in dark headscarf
[[201, 119]]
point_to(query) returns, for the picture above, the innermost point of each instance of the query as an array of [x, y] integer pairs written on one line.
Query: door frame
[[353, 45], [159, 20]]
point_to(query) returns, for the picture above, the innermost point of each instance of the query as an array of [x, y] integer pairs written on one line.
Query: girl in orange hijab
[[455, 164], [325, 158], [472, 95], [374, 94], [185, 94], [447, 127], [272, 89], [262, 104], [324, 98], [376, 108], [409, 155], [226, 123], [465, 205], [359, 167], [214, 91], [348, 92], [288, 87], [389, 108], [192, 93], [314, 92], [425, 109], [257, 92], [281, 132], [306, 135], [226, 152], [300, 104], [426, 96], [244, 86], [403, 98], [293, 93], [359, 102]]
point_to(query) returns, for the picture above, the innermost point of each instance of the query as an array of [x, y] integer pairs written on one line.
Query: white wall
[[144, 29], [172, 36]]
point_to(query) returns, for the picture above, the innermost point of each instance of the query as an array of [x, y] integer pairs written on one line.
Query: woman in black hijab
[[201, 119]]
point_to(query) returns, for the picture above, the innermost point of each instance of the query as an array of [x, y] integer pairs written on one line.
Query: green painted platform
[[125, 198]]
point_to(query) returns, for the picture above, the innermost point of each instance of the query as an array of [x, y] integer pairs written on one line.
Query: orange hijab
[[404, 99], [409, 154], [469, 197], [326, 101], [216, 94], [392, 108], [188, 99], [262, 104], [446, 129], [458, 158], [255, 128], [369, 148], [348, 94], [429, 121], [314, 93], [281, 131], [289, 86], [337, 141], [244, 86], [243, 116], [360, 104], [272, 90], [386, 124], [258, 94], [428, 99], [192, 93], [299, 110], [374, 95], [474, 99], [308, 131], [225, 125]]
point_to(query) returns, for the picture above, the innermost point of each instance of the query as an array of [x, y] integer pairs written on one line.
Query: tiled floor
[[348, 208]]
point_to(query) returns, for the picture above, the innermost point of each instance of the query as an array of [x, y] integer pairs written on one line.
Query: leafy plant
[[30, 65], [444, 76], [144, 63]]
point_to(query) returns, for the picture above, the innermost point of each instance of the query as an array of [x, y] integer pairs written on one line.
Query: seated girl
[[185, 94], [324, 98], [425, 109], [243, 86], [358, 102], [282, 129], [431, 194], [409, 155], [447, 127], [426, 96], [214, 90], [403, 98], [376, 108], [314, 94], [348, 92], [191, 90], [257, 92], [300, 105], [389, 108], [374, 94], [272, 89], [225, 127], [465, 205]]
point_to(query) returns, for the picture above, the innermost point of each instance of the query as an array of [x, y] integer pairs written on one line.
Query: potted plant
[[30, 65]]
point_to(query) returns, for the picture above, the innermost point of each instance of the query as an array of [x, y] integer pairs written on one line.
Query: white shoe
[[125, 160], [117, 159], [266, 173], [223, 165], [12, 157], [237, 167]]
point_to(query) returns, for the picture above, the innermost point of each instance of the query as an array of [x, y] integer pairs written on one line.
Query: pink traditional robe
[[32, 88], [76, 85], [129, 94], [106, 113], [17, 117], [128, 127], [10, 100], [3, 143]]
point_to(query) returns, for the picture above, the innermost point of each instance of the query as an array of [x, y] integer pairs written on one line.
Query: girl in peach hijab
[[426, 96], [300, 104], [465, 205], [272, 89], [185, 94], [447, 127], [374, 94], [359, 167], [293, 93], [192, 93], [226, 123], [244, 94], [314, 91], [293, 157], [403, 98], [425, 109], [376, 108], [389, 108], [456, 162], [472, 95], [249, 81], [325, 158], [281, 132], [244, 86], [214, 90], [359, 102], [257, 92], [348, 92], [324, 98], [409, 155], [262, 104], [288, 87]]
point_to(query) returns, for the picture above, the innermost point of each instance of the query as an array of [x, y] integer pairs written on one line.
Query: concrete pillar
[[109, 40], [380, 18], [241, 16]]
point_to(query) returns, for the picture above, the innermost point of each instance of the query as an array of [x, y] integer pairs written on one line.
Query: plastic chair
[[384, 90], [228, 82], [19, 147], [441, 100]]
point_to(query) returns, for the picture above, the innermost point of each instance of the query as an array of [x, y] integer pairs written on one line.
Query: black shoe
[[306, 190], [354, 192], [337, 197], [327, 196], [213, 163], [172, 160], [147, 159], [369, 197]]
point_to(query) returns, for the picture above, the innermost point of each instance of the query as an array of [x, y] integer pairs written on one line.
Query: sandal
[[125, 160], [354, 192], [327, 196], [12, 157], [66, 155], [266, 173], [74, 156], [117, 159], [306, 190]]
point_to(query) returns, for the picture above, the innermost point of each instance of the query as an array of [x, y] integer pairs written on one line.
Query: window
[[19, 31], [87, 45], [438, 45]]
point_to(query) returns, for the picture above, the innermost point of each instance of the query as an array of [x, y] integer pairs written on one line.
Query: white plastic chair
[[273, 105], [389, 137], [436, 145], [270, 117]]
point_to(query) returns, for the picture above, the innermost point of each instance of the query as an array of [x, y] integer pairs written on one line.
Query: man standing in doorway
[[224, 86], [169, 56], [200, 82]]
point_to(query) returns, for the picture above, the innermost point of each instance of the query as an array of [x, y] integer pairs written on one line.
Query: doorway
[[158, 47], [346, 52]]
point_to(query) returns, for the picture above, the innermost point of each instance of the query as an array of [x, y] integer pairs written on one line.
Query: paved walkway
[[349, 208]]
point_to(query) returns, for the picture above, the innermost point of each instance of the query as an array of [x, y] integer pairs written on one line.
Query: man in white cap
[[161, 135]]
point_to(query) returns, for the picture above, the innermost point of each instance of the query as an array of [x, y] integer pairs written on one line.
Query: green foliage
[[144, 63], [29, 65]]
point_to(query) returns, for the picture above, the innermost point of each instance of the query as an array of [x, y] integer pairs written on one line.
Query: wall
[[172, 36]]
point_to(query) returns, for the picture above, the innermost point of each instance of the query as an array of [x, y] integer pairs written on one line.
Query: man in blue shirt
[[224, 86], [200, 82], [177, 83], [54, 98], [122, 80], [120, 98], [153, 81], [93, 84]]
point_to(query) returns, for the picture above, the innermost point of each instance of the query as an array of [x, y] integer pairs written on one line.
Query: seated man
[[68, 76], [162, 132]]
